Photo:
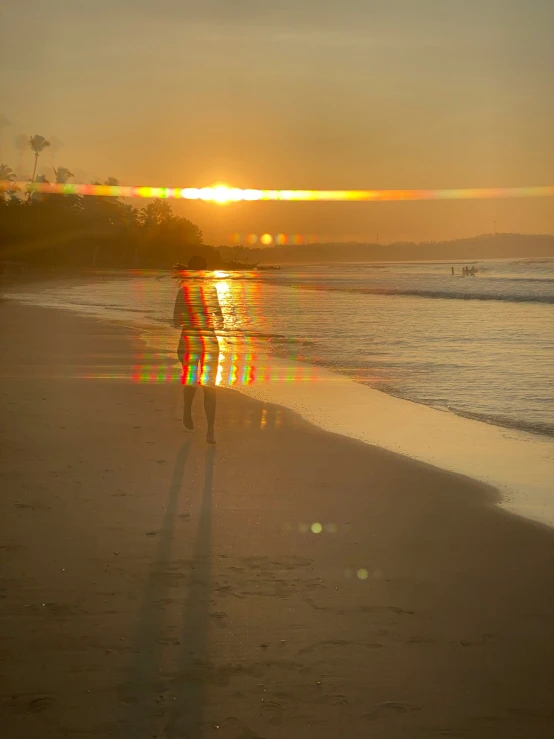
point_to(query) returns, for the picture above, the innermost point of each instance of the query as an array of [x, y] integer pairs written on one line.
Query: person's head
[[197, 263]]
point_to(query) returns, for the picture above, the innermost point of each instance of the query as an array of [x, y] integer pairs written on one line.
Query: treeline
[[73, 231], [47, 230], [486, 246]]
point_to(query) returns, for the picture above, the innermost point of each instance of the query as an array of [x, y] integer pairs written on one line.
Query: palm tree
[[37, 144], [7, 180], [6, 173], [62, 175]]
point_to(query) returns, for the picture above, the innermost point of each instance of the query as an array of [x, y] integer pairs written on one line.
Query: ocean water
[[456, 372], [481, 347]]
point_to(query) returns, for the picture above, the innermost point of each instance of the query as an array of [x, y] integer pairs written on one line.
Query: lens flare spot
[[317, 528], [362, 574], [263, 419], [266, 239]]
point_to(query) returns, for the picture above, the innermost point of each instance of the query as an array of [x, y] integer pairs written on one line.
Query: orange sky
[[311, 94]]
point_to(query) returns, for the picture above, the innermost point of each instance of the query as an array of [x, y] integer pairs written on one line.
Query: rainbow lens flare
[[221, 194]]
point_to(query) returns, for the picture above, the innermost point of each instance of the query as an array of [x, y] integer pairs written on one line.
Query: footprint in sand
[[339, 643], [220, 619], [32, 506], [287, 563], [10, 547], [248, 734], [393, 609], [167, 641], [37, 705], [391, 708]]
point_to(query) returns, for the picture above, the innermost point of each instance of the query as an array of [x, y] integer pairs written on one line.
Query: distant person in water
[[452, 271], [196, 312]]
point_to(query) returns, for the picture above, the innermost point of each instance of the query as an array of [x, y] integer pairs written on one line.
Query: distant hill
[[485, 246]]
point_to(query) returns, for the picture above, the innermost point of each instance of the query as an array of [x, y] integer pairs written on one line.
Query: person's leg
[[209, 363], [189, 354], [188, 397], [209, 360]]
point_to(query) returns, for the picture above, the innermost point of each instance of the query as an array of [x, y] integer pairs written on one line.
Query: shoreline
[[154, 586], [520, 464]]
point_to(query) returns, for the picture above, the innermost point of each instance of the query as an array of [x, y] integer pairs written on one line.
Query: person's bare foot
[[188, 424], [210, 438]]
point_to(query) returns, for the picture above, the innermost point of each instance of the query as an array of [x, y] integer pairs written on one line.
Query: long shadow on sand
[[152, 702], [186, 711]]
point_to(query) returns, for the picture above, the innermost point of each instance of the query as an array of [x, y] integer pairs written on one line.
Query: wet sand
[[153, 586]]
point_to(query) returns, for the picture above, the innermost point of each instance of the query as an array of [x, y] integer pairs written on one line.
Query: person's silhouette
[[196, 310]]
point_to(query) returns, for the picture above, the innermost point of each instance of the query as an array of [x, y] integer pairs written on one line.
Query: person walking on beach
[[196, 311]]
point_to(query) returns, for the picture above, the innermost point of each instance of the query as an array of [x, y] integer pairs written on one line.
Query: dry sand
[[155, 587]]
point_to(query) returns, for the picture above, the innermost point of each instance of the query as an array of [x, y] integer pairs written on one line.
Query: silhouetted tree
[[6, 173], [50, 229], [38, 144], [63, 175], [7, 182]]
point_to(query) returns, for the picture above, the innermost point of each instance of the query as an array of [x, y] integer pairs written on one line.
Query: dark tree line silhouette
[[69, 230], [51, 230]]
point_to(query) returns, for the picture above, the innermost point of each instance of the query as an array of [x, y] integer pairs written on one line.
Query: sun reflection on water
[[244, 340]]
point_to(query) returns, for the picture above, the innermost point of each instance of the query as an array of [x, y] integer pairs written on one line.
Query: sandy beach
[[290, 583]]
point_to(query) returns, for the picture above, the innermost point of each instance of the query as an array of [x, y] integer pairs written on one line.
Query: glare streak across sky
[[222, 194]]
